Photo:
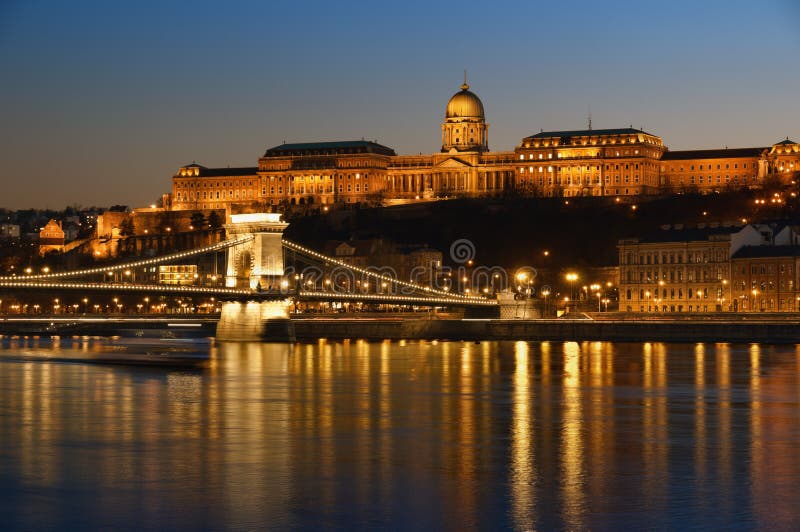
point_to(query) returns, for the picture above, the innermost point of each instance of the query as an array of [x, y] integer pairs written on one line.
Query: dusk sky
[[101, 102]]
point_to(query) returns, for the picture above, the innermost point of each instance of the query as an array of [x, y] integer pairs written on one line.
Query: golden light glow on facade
[[590, 162]]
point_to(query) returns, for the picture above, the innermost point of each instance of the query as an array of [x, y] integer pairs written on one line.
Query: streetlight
[[523, 279], [571, 278], [596, 288], [545, 293]]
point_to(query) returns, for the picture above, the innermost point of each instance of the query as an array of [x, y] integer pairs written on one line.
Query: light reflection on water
[[409, 435]]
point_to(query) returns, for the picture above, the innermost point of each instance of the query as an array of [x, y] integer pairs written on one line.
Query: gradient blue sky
[[100, 102]]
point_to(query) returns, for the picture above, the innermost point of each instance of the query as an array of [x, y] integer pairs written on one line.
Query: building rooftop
[[721, 153], [785, 142], [689, 234], [587, 133], [221, 172], [329, 148], [749, 252]]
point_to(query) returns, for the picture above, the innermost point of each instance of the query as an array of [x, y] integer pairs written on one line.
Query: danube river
[[408, 435]]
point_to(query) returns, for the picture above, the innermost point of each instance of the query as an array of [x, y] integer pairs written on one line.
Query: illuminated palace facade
[[591, 162]]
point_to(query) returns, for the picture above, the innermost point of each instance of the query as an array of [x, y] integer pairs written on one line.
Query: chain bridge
[[260, 266]]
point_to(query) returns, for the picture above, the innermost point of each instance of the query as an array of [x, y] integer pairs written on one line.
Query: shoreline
[[553, 330], [737, 330]]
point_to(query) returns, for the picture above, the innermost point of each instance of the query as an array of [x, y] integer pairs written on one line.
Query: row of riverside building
[[712, 268], [590, 162]]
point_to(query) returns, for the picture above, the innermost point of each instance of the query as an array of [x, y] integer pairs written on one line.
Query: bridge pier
[[257, 262], [513, 309], [255, 321]]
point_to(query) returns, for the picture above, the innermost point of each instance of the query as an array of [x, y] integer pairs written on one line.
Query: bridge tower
[[259, 261]]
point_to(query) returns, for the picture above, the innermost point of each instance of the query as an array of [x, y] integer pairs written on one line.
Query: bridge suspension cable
[[128, 287], [398, 300], [293, 246], [134, 264]]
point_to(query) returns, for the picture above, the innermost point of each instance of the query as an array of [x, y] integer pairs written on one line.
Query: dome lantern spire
[[465, 85]]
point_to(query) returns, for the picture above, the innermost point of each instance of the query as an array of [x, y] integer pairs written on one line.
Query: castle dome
[[465, 104]]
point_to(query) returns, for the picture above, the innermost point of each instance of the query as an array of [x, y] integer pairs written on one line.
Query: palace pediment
[[452, 162]]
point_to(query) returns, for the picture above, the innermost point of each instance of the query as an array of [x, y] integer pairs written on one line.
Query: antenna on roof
[[590, 117]]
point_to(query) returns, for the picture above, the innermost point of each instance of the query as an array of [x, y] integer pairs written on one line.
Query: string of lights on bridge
[[123, 287], [39, 280], [395, 299], [135, 264], [451, 297]]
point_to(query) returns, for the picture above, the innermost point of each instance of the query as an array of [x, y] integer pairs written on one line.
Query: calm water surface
[[409, 435]]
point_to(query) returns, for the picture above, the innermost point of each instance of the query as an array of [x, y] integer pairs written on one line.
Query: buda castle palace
[[590, 162]]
